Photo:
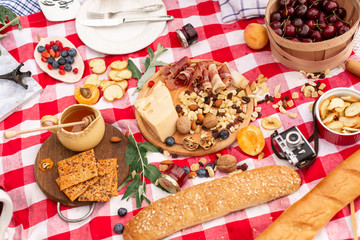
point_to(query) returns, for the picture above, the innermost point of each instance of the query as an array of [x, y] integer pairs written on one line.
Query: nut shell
[[183, 125], [210, 121], [226, 163], [190, 144], [207, 142]]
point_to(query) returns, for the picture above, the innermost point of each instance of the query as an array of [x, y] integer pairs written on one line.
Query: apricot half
[[251, 140]]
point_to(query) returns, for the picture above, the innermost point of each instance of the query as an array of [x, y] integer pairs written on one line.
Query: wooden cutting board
[[53, 149], [178, 147]]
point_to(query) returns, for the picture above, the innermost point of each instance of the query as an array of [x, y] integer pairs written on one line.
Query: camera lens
[[293, 138]]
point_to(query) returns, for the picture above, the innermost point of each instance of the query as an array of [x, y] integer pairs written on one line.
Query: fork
[[150, 8]]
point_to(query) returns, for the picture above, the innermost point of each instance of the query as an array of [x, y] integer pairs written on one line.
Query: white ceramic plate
[[124, 38], [59, 10]]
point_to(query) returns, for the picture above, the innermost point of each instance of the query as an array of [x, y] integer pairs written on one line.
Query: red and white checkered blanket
[[35, 216]]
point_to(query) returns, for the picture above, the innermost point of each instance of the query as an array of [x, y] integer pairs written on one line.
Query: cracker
[[75, 191], [95, 193]]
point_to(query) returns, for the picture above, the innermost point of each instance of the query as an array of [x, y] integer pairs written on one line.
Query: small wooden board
[[178, 147], [53, 149]]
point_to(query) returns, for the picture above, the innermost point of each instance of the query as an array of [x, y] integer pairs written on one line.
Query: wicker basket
[[318, 56]]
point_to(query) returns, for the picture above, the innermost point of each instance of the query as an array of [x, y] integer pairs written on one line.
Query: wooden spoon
[[85, 121]]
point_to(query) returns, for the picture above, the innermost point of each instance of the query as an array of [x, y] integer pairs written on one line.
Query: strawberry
[[151, 83], [75, 70], [50, 66], [57, 54], [62, 72], [45, 54], [43, 59], [52, 52]]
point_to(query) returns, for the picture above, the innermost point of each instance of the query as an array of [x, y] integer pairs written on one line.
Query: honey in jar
[[77, 116]]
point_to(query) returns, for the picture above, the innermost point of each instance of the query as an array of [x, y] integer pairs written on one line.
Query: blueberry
[[41, 49], [55, 47], [201, 172], [55, 65], [210, 164], [50, 60], [187, 169], [224, 134], [64, 53], [67, 67], [72, 52], [61, 61], [170, 141], [119, 228], [122, 212], [70, 60]]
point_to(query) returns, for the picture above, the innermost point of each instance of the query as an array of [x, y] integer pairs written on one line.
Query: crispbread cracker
[[95, 193], [75, 191], [77, 169]]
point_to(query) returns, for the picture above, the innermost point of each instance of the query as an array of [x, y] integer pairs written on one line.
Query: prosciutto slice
[[173, 70], [197, 77], [183, 78], [216, 82], [225, 75], [206, 84]]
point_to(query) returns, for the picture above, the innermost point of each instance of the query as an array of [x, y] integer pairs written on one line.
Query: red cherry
[[312, 13], [50, 66], [295, 39], [329, 32], [331, 6], [297, 22], [75, 70], [43, 59], [316, 36], [343, 29], [290, 31], [278, 31], [62, 72], [311, 23], [275, 24], [151, 83]]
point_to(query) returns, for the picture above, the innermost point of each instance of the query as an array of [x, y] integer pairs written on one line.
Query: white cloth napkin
[[233, 10]]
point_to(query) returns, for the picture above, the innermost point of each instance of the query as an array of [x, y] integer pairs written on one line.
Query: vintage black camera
[[293, 146]]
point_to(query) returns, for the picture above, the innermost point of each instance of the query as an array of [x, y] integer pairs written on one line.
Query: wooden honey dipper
[[85, 121]]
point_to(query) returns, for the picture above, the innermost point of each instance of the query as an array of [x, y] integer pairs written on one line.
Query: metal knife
[[118, 21]]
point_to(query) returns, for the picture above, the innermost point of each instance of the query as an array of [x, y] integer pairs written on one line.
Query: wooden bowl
[[318, 56]]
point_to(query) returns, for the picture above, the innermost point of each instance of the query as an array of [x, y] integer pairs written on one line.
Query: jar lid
[[169, 183], [181, 37]]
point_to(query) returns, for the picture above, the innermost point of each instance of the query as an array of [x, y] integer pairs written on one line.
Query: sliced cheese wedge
[[158, 111]]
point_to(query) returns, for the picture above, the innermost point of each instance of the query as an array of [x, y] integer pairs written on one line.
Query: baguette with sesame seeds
[[210, 200]]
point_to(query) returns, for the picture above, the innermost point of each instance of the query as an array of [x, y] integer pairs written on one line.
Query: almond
[[193, 125], [167, 162], [193, 107], [115, 139], [218, 103], [200, 117]]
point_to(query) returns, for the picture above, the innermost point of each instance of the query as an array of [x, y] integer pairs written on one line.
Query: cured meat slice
[[216, 82], [183, 78], [173, 70], [206, 84], [197, 77], [225, 75]]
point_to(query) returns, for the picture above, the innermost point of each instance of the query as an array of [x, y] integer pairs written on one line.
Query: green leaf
[[151, 52], [131, 154], [128, 179], [159, 63], [147, 200], [152, 173], [2, 15], [136, 73], [146, 146], [145, 77], [159, 50], [133, 186], [147, 64]]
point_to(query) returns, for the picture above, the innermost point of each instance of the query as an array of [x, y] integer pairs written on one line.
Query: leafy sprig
[[7, 18], [135, 157], [150, 64]]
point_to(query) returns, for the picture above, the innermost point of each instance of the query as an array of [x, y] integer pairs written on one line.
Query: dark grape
[[275, 24], [290, 31], [330, 7], [329, 32], [312, 13]]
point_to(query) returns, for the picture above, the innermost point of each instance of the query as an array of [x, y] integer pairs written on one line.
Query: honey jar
[[187, 35], [173, 178]]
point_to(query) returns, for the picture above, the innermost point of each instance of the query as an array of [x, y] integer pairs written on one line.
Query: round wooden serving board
[[53, 149], [178, 148]]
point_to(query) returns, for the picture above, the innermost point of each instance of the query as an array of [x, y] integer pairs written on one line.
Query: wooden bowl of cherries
[[312, 35]]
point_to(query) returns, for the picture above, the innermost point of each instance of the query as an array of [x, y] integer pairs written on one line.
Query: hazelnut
[[227, 163], [218, 103], [193, 107], [210, 121], [183, 125]]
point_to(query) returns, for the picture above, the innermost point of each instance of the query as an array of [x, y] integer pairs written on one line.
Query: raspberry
[[45, 54], [52, 43], [60, 48], [57, 54], [52, 52], [61, 66], [62, 72], [66, 48], [47, 46], [50, 66], [75, 70], [151, 83], [58, 43], [43, 59]]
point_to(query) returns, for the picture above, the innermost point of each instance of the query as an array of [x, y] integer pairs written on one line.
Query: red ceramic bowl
[[328, 134]]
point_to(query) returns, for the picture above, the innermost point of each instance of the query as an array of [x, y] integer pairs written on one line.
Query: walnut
[[183, 125], [226, 163], [210, 121], [190, 144]]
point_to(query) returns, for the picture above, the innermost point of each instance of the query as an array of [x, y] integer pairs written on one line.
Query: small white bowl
[[328, 134]]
